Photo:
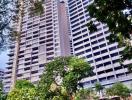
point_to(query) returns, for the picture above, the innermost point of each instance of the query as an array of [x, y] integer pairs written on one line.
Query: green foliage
[[23, 84], [4, 23], [127, 53], [9, 10], [64, 73], [118, 89], [22, 94], [91, 26], [109, 91], [98, 87], [2, 95], [112, 13], [130, 67], [36, 8], [23, 90], [86, 94]]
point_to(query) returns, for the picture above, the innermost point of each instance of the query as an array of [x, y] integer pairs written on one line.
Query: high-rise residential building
[[42, 38], [102, 55], [1, 74]]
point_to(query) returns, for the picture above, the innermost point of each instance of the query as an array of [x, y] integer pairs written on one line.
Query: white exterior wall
[[40, 43], [95, 48]]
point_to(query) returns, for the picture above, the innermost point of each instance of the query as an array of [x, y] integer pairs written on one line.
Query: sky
[[3, 59]]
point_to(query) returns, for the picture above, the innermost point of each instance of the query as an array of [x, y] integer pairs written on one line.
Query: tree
[[2, 95], [109, 92], [118, 89], [117, 15], [61, 78], [5, 19], [23, 84], [24, 90], [86, 94], [99, 88], [11, 13]]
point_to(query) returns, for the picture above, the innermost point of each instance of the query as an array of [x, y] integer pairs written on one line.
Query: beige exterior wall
[[63, 30]]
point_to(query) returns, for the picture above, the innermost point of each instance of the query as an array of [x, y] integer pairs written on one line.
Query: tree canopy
[[9, 18], [118, 89], [61, 76], [117, 15], [23, 90], [99, 88], [86, 94], [23, 84], [5, 19]]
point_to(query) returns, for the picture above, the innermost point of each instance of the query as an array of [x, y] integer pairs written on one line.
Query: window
[[81, 47], [85, 40], [28, 63], [91, 61], [107, 63], [26, 59], [97, 53], [28, 68], [115, 61], [34, 72], [88, 50], [94, 42], [101, 72], [114, 54], [112, 48], [41, 65], [109, 70], [105, 57], [93, 81], [102, 39], [80, 53], [110, 77], [102, 45], [34, 57], [93, 37], [87, 45], [118, 68], [96, 47], [78, 43], [89, 56], [100, 34], [98, 59], [104, 51], [98, 66], [35, 48], [41, 42]]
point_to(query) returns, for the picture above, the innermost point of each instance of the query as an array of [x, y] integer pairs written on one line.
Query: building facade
[[42, 39], [46, 36], [1, 74], [95, 48]]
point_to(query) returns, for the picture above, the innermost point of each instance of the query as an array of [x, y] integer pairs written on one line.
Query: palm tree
[[35, 7], [99, 88]]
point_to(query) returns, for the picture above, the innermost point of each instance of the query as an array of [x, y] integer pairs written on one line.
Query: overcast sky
[[3, 59]]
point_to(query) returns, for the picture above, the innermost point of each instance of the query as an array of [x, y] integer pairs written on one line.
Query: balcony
[[10, 62], [11, 54], [9, 67]]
